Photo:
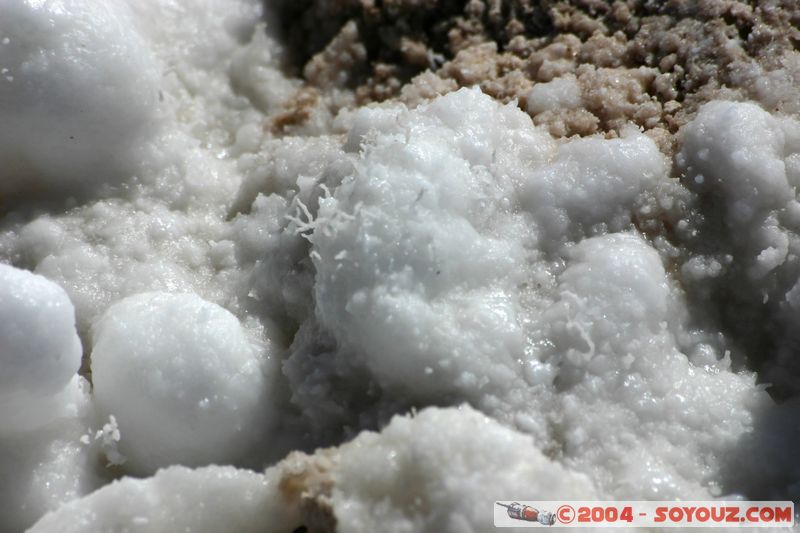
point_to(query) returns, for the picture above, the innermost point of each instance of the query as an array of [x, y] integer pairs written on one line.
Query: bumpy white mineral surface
[[461, 307]]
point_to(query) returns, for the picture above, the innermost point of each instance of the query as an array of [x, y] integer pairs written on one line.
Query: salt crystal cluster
[[209, 268], [490, 265]]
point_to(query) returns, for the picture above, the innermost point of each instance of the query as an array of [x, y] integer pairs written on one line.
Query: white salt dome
[[232, 500], [77, 94], [401, 479], [43, 401], [40, 351], [183, 380]]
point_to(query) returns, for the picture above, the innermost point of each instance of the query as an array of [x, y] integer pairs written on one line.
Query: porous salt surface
[[245, 264]]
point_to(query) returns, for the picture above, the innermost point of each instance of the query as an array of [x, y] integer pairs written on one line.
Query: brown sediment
[[650, 63], [296, 111], [307, 481]]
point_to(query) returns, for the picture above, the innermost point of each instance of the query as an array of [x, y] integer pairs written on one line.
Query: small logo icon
[[527, 513], [566, 514]]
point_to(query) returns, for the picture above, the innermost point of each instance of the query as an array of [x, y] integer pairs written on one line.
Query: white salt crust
[[237, 294]]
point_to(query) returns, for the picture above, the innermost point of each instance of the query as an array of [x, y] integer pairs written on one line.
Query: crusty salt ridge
[[747, 162], [400, 480], [741, 256], [434, 471], [210, 499]]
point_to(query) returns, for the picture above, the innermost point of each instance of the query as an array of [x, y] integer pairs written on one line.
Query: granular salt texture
[[616, 347], [561, 93], [165, 228], [740, 149], [401, 479], [109, 249], [503, 308], [434, 472], [413, 266], [279, 183], [431, 180], [44, 401], [49, 466], [206, 500], [183, 380], [39, 350], [568, 289], [65, 68], [745, 164], [592, 186], [415, 239]]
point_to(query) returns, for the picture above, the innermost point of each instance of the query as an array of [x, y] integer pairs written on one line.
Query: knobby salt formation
[[340, 267]]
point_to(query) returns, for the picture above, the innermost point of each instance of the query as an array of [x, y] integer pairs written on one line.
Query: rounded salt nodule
[[182, 378], [40, 352], [78, 95]]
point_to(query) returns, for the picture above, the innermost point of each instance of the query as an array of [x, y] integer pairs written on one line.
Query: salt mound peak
[[183, 379]]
